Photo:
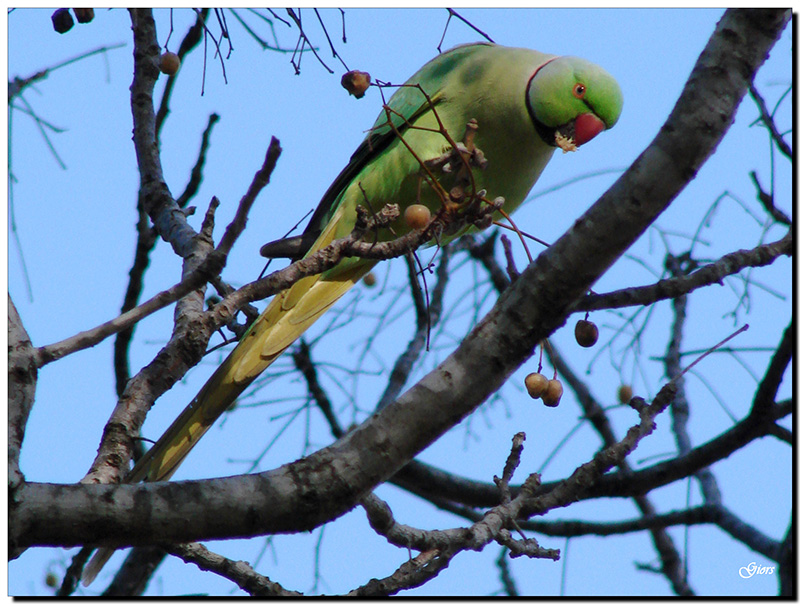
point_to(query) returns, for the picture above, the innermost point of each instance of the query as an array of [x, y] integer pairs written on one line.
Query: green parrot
[[525, 103]]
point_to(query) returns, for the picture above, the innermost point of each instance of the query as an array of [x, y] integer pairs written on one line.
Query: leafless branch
[[302, 41], [450, 14], [239, 572], [769, 203], [729, 264], [769, 122], [189, 43], [427, 317]]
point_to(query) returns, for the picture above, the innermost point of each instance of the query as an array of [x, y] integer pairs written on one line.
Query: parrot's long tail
[[284, 320]]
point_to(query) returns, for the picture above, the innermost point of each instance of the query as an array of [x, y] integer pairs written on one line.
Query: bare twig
[[680, 406], [302, 360], [512, 463], [426, 318], [506, 579], [17, 85], [189, 43], [769, 203], [260, 181], [240, 573], [671, 564], [450, 14], [302, 41], [709, 274], [335, 54], [769, 122], [196, 176], [218, 53]]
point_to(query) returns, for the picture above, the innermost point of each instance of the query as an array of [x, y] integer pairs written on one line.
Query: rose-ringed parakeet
[[525, 103]]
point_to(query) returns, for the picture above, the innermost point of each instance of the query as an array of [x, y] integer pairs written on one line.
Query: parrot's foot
[[460, 160], [464, 156], [458, 157]]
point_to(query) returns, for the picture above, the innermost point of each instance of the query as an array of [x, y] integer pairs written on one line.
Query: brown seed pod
[[356, 82], [536, 384], [417, 216], [625, 394], [62, 20], [170, 63], [552, 395], [369, 280], [83, 15], [586, 333]]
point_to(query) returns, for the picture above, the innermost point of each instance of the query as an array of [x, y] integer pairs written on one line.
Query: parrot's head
[[571, 101]]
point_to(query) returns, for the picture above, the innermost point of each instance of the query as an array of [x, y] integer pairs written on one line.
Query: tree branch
[[240, 573], [665, 289], [767, 120], [427, 317], [22, 376], [168, 218], [671, 563]]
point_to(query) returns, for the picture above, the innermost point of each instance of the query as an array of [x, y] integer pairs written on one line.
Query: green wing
[[407, 106]]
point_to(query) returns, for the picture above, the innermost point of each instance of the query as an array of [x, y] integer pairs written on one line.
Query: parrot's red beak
[[587, 126]]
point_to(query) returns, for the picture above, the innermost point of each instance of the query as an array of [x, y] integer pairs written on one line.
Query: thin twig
[[767, 120]]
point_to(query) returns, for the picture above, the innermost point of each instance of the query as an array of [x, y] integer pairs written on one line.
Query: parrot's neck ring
[[546, 133]]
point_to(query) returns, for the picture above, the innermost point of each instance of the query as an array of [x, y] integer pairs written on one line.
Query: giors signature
[[755, 569]]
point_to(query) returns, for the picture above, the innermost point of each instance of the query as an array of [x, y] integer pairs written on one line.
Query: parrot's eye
[[579, 90]]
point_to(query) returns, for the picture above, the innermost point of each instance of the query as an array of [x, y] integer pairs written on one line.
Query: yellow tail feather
[[284, 320]]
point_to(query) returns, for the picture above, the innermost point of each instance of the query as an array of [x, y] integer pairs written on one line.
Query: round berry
[[170, 63], [369, 279], [552, 395], [625, 394], [62, 20], [417, 216], [83, 15], [586, 333], [536, 384]]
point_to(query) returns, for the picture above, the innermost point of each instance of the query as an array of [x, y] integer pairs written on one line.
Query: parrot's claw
[[456, 158]]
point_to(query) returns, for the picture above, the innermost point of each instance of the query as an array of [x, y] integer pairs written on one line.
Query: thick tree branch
[[145, 242], [22, 376], [184, 350]]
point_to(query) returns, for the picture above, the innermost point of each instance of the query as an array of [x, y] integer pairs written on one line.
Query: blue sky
[[76, 231]]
